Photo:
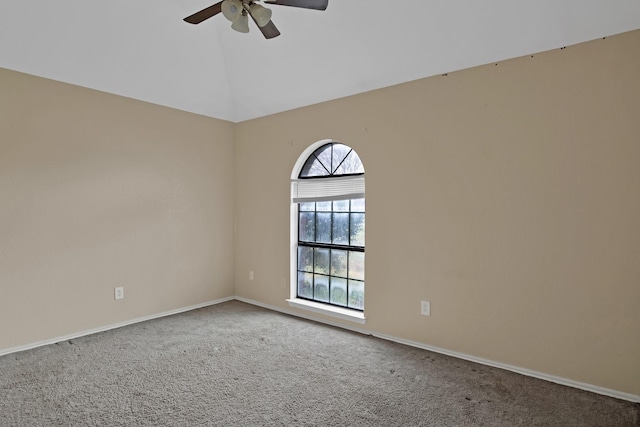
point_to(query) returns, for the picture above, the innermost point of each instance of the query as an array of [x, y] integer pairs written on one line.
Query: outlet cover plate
[[425, 308], [118, 293]]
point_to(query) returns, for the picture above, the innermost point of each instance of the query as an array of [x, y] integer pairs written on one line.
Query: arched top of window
[[332, 159]]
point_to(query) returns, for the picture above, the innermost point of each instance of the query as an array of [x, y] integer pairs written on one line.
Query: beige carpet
[[239, 365]]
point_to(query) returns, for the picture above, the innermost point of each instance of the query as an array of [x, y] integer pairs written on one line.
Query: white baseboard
[[112, 326], [523, 371]]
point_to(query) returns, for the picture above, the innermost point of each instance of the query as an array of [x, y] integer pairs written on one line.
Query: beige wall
[[508, 195], [98, 191]]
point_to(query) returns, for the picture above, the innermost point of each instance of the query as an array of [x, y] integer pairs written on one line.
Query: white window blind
[[325, 189]]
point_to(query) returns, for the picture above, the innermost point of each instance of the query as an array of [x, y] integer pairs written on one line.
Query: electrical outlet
[[251, 275], [118, 293], [425, 308]]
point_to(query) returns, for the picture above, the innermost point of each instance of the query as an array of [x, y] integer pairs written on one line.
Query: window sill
[[327, 310]]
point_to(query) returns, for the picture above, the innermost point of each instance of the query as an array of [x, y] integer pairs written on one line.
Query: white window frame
[[293, 301]]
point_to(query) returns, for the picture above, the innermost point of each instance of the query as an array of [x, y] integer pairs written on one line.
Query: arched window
[[328, 229]]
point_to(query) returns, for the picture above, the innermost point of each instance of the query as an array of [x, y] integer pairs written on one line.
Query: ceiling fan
[[238, 12]]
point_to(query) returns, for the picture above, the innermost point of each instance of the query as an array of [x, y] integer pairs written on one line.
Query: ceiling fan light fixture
[[261, 14], [232, 9], [238, 12], [241, 23]]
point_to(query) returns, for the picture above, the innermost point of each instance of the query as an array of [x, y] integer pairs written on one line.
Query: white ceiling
[[143, 49]]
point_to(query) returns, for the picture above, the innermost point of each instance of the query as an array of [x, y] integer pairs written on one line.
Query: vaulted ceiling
[[143, 49]]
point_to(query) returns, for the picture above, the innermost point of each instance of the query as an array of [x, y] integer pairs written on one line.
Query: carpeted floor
[[238, 365]]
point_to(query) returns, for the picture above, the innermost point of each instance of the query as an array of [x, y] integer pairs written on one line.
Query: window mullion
[[313, 274], [330, 240], [349, 224], [322, 164], [315, 240], [329, 277], [332, 246], [347, 279], [331, 161], [345, 158]]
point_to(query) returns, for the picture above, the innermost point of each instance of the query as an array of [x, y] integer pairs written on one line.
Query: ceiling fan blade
[[306, 4], [269, 31], [204, 14]]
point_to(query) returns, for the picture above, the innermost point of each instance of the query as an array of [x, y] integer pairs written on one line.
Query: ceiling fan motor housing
[[238, 12]]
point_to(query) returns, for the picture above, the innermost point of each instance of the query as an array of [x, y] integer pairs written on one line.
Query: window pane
[[352, 164], [357, 229], [321, 291], [356, 294], [357, 205], [356, 265], [341, 206], [307, 227], [313, 168], [338, 263], [332, 159], [340, 151], [305, 259], [324, 156], [309, 206], [305, 285], [341, 228], [321, 261], [323, 206], [323, 224], [338, 291]]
